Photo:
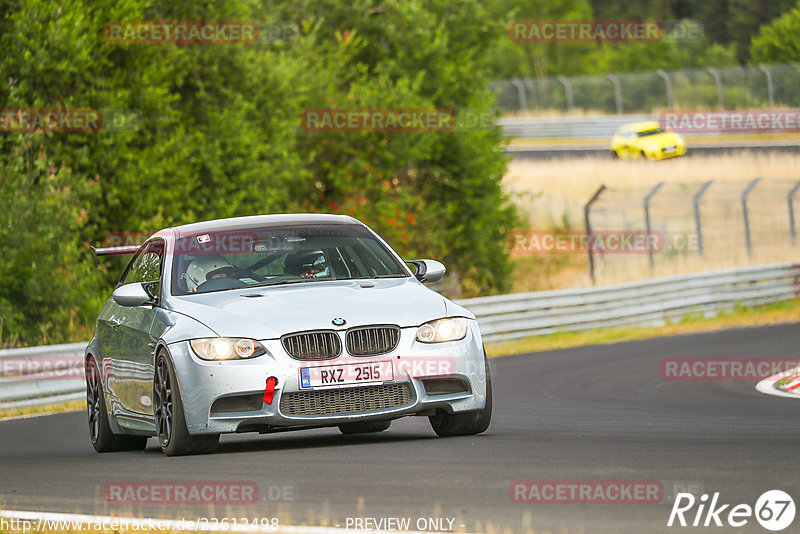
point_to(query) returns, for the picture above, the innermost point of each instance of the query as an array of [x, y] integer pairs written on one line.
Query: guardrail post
[[617, 91], [523, 101], [745, 194], [586, 209], [790, 201], [770, 90], [698, 225], [668, 84], [715, 74], [648, 228], [567, 92]]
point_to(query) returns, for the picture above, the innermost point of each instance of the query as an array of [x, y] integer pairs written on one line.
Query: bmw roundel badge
[[338, 321]]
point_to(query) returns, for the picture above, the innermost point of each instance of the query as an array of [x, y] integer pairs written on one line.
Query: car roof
[[639, 126], [259, 221]]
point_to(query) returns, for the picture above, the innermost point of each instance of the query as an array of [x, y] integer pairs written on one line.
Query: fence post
[[567, 92], [668, 84], [698, 225], [790, 201], [586, 209], [770, 90], [647, 200], [715, 74], [617, 91], [523, 102], [747, 190]]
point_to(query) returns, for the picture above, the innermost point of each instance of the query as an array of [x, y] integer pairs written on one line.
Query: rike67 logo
[[774, 510]]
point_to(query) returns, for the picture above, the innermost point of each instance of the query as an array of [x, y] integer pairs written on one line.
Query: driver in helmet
[[205, 268], [306, 265]]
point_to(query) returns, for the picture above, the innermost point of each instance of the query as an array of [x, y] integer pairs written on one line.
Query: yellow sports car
[[646, 140]]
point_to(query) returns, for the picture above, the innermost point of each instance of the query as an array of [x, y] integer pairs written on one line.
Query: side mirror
[[427, 271], [131, 295]]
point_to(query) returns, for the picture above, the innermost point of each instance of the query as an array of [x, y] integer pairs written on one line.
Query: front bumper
[[201, 383], [668, 152]]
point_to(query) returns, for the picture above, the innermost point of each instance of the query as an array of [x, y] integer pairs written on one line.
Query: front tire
[[467, 423], [364, 428], [173, 435], [103, 439]]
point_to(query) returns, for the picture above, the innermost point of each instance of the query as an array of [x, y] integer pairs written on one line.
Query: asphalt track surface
[[592, 413]]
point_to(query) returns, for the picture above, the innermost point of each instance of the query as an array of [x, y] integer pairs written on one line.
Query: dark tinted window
[[274, 255]]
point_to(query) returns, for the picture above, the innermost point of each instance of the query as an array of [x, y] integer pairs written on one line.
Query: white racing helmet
[[201, 267], [313, 264]]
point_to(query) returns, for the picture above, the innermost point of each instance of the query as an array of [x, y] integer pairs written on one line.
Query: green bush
[[219, 134]]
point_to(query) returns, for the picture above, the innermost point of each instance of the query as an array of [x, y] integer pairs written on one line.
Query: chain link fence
[[698, 226], [758, 86]]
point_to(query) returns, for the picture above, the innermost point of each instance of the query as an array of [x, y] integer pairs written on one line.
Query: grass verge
[[740, 316], [44, 409]]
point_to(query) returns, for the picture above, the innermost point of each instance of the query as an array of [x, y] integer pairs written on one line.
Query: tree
[[778, 42]]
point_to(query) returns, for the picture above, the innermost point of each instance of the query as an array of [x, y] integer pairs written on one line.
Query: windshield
[[652, 131], [218, 261]]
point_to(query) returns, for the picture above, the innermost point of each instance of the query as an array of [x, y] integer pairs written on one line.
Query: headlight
[[652, 147], [226, 348], [449, 329]]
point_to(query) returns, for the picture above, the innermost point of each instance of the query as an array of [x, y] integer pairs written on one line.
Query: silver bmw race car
[[278, 322]]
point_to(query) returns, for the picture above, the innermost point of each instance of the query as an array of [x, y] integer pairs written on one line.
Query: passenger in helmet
[[306, 264], [206, 268]]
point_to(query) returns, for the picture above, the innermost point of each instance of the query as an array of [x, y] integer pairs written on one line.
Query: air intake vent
[[372, 340], [342, 401], [318, 345]]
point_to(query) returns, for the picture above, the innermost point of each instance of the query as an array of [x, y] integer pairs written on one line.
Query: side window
[[147, 266], [130, 271]]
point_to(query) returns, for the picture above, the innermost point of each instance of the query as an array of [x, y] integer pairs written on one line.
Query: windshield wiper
[[281, 282]]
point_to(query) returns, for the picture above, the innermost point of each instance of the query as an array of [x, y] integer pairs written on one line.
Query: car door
[[134, 366], [110, 339]]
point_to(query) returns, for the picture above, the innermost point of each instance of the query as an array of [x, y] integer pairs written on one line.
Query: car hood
[[311, 306]]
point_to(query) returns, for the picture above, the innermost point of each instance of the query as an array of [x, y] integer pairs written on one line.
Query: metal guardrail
[[647, 303], [29, 376], [41, 375], [592, 127]]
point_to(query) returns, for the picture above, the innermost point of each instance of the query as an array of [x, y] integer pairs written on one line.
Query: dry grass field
[[551, 194]]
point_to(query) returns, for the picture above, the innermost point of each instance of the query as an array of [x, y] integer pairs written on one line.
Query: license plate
[[352, 373]]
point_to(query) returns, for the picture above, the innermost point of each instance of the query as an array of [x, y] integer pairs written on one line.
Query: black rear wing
[[112, 251]]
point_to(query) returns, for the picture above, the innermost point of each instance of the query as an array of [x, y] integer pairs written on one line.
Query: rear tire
[[173, 435], [103, 439], [614, 154], [467, 423], [364, 428]]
